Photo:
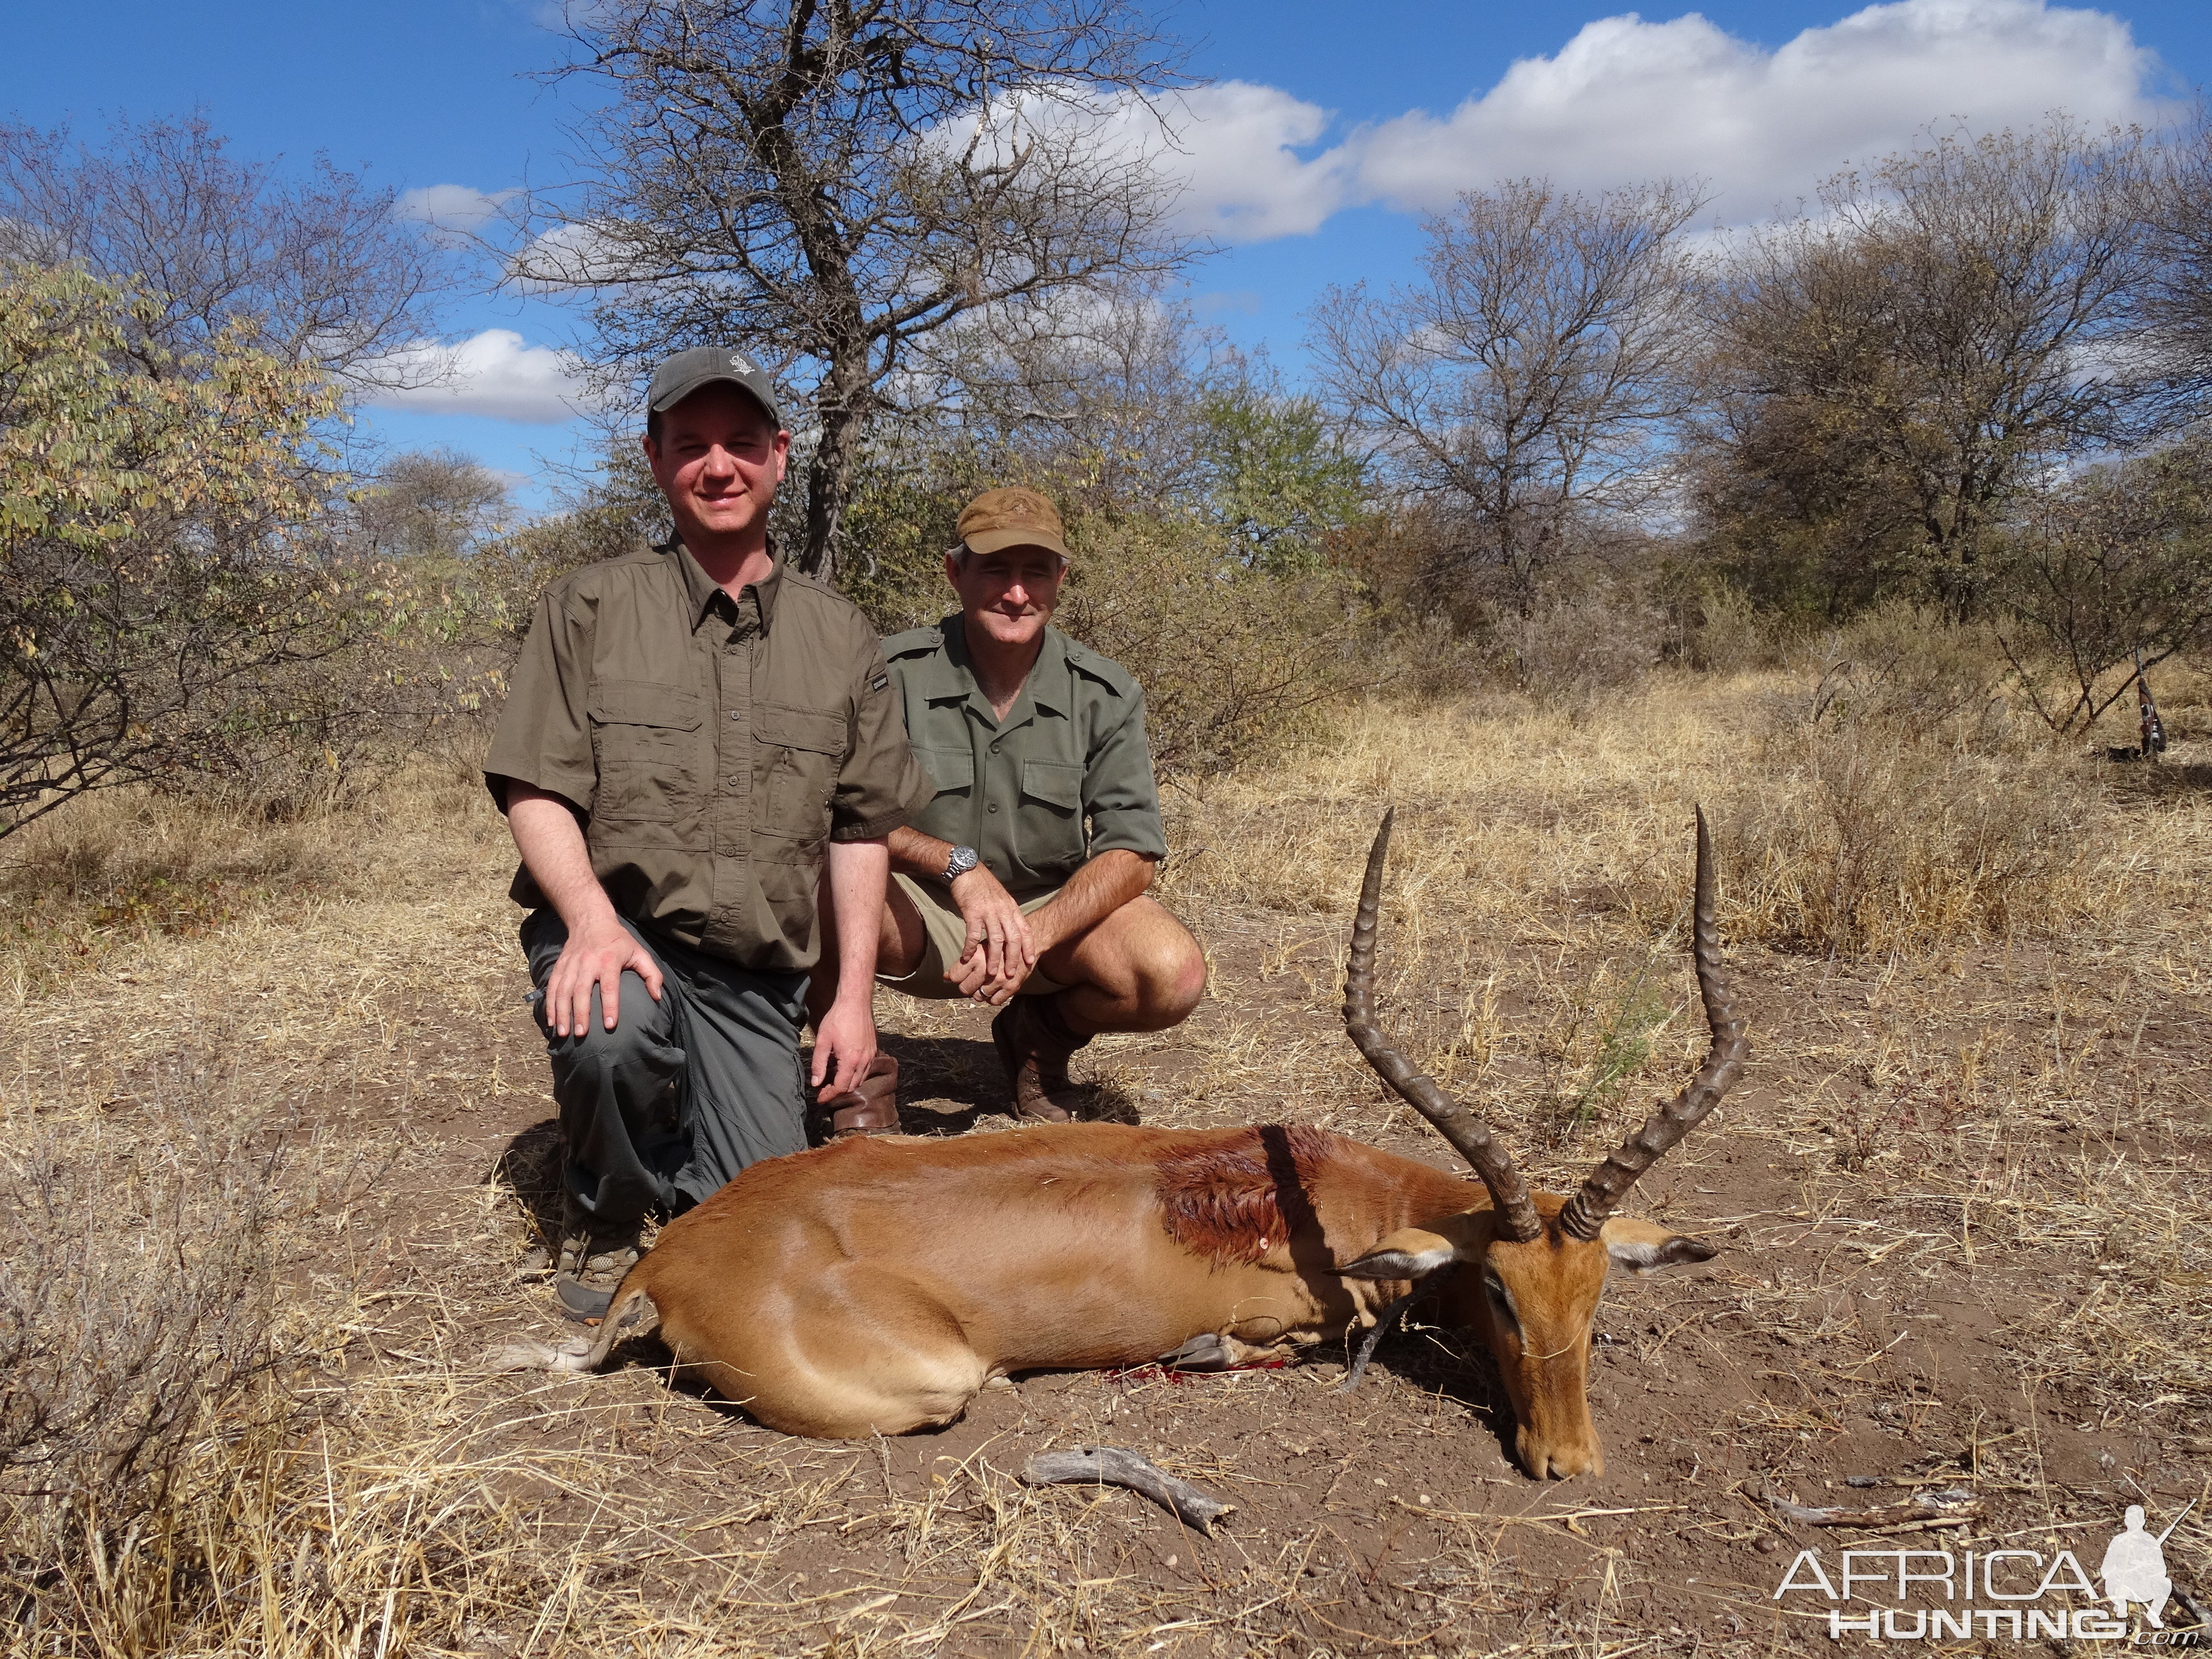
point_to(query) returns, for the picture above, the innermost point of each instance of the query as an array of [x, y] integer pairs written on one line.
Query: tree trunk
[[842, 406]]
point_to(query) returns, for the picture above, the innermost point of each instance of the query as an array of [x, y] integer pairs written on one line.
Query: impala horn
[[1585, 1212], [1509, 1192]]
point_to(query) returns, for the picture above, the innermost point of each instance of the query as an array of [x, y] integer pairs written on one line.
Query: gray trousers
[[684, 1092]]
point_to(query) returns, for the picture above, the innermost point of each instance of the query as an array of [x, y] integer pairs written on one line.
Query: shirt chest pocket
[[953, 770], [644, 745], [1051, 819], [801, 748]]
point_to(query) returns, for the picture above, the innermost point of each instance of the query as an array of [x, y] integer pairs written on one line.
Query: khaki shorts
[[943, 934]]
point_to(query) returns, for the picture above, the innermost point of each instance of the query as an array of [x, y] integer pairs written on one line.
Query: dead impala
[[876, 1285]]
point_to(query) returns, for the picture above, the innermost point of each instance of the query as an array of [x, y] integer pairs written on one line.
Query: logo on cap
[[740, 364]]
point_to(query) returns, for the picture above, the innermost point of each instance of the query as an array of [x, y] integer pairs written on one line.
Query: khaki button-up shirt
[[712, 747], [1066, 776]]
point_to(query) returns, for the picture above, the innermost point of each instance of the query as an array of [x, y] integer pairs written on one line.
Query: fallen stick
[[1117, 1465], [1924, 1509]]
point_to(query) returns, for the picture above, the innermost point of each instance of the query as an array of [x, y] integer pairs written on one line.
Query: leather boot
[[593, 1258], [871, 1107], [1035, 1045]]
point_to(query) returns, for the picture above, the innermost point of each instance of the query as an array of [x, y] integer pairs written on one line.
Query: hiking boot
[[1035, 1045], [594, 1257], [870, 1109]]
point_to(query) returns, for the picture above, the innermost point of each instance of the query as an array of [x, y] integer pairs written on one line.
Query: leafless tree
[[2174, 309], [1095, 398], [2103, 569], [1897, 360], [831, 183], [318, 264], [1526, 383]]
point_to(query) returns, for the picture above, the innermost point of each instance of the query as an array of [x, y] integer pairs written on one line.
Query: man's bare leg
[[1137, 969]]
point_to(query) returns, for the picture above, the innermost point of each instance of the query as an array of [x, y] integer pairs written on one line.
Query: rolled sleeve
[[545, 735], [1119, 796], [881, 784]]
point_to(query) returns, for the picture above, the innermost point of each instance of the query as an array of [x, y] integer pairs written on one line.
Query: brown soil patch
[[1962, 1202]]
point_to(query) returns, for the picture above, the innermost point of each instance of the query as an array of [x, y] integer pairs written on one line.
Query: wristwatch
[[964, 860]]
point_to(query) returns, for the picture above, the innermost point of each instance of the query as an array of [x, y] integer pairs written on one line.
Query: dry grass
[[1964, 1192]]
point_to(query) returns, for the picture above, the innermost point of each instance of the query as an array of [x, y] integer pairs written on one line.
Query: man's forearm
[[858, 872], [913, 853], [1094, 892], [553, 850]]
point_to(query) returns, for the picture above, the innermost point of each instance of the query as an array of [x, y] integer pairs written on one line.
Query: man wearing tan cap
[[1021, 884]]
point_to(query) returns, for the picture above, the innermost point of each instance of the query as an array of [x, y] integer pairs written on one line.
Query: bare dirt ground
[[1961, 1198]]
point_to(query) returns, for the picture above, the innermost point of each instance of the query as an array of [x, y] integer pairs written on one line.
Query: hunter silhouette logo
[[2134, 1568], [2023, 1594]]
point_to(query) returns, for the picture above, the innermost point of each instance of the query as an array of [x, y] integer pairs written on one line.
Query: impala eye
[[1501, 1302]]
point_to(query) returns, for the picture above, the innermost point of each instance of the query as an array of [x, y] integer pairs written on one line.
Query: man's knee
[[1189, 976], [643, 1037], [1170, 972], [1178, 976]]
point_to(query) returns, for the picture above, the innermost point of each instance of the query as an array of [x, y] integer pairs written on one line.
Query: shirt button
[[994, 748], [993, 807]]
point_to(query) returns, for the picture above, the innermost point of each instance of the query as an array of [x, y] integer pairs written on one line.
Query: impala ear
[[1645, 1247], [1409, 1253]]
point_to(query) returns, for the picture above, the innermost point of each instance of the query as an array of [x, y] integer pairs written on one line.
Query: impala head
[[1527, 1269]]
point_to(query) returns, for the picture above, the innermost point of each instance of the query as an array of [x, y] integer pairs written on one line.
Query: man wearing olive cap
[[1021, 884], [692, 734]]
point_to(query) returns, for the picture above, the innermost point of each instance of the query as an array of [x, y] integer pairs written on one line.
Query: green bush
[[1232, 659]]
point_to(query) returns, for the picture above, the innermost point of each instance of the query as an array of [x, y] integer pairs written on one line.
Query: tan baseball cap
[[1013, 517]]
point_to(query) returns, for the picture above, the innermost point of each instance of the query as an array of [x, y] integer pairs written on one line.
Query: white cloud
[[492, 373], [1626, 100], [1244, 181], [1232, 147], [456, 210]]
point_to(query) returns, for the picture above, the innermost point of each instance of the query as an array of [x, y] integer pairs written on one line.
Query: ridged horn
[[1585, 1212], [1509, 1192]]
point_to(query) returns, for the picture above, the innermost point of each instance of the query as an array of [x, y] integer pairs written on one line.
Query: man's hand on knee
[[1000, 950], [598, 955]]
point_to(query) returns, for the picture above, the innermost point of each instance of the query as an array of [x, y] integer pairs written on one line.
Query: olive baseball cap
[[679, 376], [1013, 517]]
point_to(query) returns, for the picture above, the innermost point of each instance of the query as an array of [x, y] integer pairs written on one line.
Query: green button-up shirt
[[711, 746], [1066, 776]]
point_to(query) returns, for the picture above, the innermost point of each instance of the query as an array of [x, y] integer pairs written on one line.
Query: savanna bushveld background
[[1851, 528]]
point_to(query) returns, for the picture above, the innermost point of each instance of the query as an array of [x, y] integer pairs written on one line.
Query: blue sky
[[1327, 130]]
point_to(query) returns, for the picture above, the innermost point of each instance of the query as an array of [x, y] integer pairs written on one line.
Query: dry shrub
[[1581, 643], [1730, 634], [126, 865], [1909, 667], [1857, 837], [1896, 806], [172, 1477], [1233, 660], [137, 1319]]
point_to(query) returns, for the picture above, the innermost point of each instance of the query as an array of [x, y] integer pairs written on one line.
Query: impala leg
[[1376, 1332], [1206, 1352], [853, 1350]]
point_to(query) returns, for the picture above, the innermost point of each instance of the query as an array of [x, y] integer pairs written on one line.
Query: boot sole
[[579, 1302]]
